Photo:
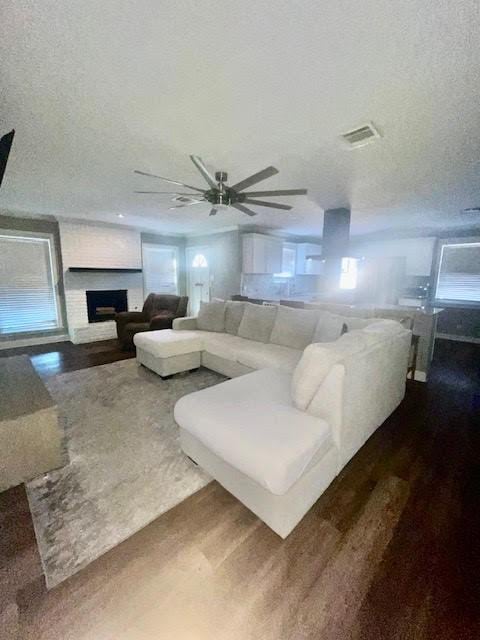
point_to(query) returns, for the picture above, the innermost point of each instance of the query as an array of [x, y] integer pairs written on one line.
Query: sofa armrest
[[187, 323], [131, 316], [124, 317], [162, 320]]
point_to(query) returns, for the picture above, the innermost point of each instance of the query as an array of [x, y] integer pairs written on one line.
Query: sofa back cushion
[[329, 327], [211, 316], [257, 322], [294, 327], [157, 302], [363, 388], [233, 316], [317, 361]]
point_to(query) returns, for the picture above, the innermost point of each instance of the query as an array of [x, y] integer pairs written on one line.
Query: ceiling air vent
[[361, 136]]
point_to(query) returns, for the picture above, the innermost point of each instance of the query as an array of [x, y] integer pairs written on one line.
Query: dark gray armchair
[[159, 312]]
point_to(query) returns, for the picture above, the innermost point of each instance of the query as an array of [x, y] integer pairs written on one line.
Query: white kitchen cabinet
[[306, 265], [261, 253]]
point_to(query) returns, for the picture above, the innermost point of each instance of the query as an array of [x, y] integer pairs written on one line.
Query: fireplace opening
[[103, 305]]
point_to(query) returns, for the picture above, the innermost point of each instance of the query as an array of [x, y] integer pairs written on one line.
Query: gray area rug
[[126, 467]]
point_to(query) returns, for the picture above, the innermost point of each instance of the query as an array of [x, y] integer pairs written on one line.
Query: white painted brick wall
[[86, 245], [105, 247]]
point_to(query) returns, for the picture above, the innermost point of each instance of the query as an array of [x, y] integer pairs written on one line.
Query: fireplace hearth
[[103, 305]]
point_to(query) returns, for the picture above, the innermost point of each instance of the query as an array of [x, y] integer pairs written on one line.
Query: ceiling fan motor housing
[[221, 176], [222, 195]]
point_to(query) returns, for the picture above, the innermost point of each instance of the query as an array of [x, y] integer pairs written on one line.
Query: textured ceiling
[[96, 89]]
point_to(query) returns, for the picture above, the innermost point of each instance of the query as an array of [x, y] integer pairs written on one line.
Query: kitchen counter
[[315, 299]]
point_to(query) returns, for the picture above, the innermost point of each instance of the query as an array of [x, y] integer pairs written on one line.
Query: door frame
[[190, 252]]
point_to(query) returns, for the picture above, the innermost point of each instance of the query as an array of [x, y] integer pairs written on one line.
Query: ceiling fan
[[220, 195]]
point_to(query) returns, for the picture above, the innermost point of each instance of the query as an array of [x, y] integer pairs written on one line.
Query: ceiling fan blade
[[278, 192], [213, 212], [256, 177], [182, 184], [243, 209], [171, 193], [187, 204], [198, 162], [272, 205]]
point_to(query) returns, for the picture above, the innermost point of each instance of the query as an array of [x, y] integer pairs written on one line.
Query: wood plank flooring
[[60, 357], [391, 551]]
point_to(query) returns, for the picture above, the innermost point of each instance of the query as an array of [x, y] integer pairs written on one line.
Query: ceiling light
[[120, 215]]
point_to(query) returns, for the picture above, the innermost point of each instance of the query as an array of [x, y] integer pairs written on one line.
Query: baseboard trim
[[31, 342], [454, 338]]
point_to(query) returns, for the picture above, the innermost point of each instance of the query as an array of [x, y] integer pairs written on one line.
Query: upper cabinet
[[261, 253], [306, 265]]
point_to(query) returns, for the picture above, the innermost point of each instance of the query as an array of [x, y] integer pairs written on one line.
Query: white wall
[[419, 252], [86, 245]]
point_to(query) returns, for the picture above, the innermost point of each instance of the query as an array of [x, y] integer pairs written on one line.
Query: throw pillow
[[294, 327], [387, 327], [233, 316], [257, 322], [316, 362], [329, 327], [354, 324], [211, 316]]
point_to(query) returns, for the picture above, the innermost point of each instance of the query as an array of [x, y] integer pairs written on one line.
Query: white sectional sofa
[[301, 404]]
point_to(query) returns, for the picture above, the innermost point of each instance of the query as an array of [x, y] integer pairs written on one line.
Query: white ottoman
[[167, 352]]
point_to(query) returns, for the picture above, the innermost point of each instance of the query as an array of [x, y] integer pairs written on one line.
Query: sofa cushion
[[233, 316], [261, 356], [294, 327], [257, 322], [222, 345], [167, 343], [329, 327], [317, 361], [211, 316], [251, 423]]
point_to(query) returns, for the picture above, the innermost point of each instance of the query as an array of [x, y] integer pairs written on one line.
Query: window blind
[[28, 300], [459, 273], [159, 269]]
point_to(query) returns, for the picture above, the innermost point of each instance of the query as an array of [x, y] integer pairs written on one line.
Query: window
[[28, 291], [160, 269], [458, 278], [199, 261], [349, 273]]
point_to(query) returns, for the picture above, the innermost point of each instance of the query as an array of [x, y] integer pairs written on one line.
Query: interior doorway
[[198, 277]]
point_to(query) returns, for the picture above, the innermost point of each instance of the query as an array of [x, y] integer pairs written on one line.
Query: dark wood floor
[[50, 359], [391, 551]]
